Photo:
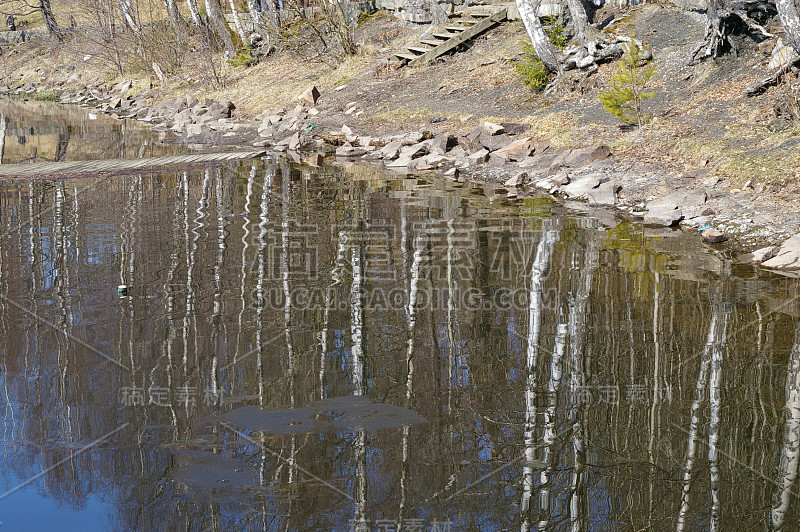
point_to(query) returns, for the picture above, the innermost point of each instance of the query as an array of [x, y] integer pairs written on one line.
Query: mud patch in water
[[201, 469]]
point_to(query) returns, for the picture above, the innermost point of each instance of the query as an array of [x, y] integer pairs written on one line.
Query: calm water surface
[[266, 346]]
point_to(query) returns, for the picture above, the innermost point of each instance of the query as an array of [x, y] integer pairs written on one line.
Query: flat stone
[[584, 156], [582, 187], [605, 194], [760, 255], [713, 236], [519, 149], [787, 258], [518, 180], [391, 150], [479, 157], [663, 217], [348, 150], [680, 199], [401, 162], [415, 151]]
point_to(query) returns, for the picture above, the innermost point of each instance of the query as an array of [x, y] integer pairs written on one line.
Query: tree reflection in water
[[576, 372]]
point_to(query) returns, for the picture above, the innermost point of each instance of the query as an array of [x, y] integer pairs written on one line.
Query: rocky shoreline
[[507, 159]]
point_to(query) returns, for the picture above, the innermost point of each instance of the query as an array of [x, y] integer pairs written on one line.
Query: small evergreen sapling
[[628, 83]]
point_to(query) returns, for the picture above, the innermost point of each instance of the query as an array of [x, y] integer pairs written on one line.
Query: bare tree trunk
[[529, 13], [196, 20], [583, 30], [50, 20], [237, 22], [214, 11], [175, 17], [264, 27], [790, 19], [128, 15]]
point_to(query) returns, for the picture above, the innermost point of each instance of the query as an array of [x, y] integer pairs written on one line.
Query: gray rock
[[787, 258], [348, 150], [689, 202], [605, 194], [584, 156], [415, 151], [479, 157], [760, 255], [391, 150], [443, 143], [518, 180], [560, 178], [581, 188], [401, 162], [663, 217]]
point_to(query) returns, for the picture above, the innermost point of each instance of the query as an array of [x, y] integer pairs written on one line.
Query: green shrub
[[531, 70], [555, 32], [242, 59], [627, 90], [46, 95]]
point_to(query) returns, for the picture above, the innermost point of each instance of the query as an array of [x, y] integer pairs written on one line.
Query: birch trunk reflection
[[577, 330], [790, 451], [540, 266], [714, 343]]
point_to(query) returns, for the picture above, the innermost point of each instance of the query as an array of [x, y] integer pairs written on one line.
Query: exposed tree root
[[722, 15]]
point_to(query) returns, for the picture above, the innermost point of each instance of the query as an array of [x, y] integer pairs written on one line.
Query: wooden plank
[[419, 49], [445, 36], [430, 42], [464, 36], [409, 57]]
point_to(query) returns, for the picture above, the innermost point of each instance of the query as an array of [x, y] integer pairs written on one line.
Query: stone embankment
[[508, 158]]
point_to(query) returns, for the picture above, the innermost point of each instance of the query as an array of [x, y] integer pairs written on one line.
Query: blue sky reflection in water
[[441, 360]]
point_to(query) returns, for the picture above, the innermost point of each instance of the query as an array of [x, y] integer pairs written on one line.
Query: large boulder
[[787, 258]]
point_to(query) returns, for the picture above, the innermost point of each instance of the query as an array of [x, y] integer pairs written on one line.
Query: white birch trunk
[[194, 12], [790, 19], [529, 13], [237, 22], [129, 15]]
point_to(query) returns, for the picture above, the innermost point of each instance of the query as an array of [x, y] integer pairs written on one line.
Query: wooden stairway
[[454, 34]]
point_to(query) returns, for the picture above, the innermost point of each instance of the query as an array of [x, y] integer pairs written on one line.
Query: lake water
[[271, 346]]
